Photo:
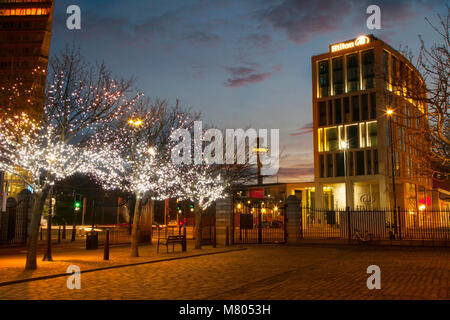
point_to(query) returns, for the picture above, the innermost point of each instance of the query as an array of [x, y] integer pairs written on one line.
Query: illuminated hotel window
[[320, 138], [24, 12], [362, 135], [331, 139], [352, 72], [355, 108], [324, 79], [372, 134], [368, 61], [338, 76]]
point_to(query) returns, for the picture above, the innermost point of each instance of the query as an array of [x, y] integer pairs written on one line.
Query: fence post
[[106, 249], [64, 231], [227, 236], [349, 225], [41, 233], [399, 219], [185, 240]]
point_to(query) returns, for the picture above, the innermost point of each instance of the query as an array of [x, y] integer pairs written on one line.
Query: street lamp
[[390, 114], [344, 146]]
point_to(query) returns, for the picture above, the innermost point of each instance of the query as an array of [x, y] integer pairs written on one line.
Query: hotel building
[[357, 94], [25, 31]]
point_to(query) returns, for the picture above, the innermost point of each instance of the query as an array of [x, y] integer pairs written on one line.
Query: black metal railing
[[381, 224]]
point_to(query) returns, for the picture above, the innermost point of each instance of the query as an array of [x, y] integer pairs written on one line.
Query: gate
[[258, 222]]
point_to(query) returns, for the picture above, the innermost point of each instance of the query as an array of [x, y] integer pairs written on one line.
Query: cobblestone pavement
[[264, 272]]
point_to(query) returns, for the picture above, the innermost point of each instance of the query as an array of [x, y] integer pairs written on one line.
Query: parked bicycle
[[363, 237]]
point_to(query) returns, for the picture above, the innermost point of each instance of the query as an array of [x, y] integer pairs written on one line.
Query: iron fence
[[381, 224]]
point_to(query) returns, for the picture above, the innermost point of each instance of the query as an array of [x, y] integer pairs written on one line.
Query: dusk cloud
[[242, 76], [303, 20], [306, 129]]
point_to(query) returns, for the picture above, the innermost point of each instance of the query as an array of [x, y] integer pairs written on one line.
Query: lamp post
[[48, 254], [344, 146], [390, 113]]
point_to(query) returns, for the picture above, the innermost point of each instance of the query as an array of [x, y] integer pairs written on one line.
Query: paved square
[[264, 272]]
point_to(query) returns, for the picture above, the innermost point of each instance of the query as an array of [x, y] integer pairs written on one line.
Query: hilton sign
[[362, 40]]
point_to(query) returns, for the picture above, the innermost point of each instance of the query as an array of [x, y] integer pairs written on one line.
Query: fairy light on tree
[[132, 156], [202, 186], [80, 99]]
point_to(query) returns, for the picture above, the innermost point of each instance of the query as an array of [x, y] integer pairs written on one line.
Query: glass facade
[[324, 79], [338, 75], [352, 73], [368, 70]]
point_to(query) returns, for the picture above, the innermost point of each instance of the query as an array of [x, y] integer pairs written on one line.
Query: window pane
[[355, 108], [368, 61], [330, 165], [331, 137], [322, 113], [340, 171], [372, 132], [373, 105], [352, 73], [360, 163], [324, 79], [322, 165], [338, 110], [365, 107], [338, 76], [352, 136]]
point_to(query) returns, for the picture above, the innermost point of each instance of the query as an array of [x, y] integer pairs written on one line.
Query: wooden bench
[[181, 239]]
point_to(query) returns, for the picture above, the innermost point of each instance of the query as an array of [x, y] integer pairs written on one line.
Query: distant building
[[25, 31], [354, 86]]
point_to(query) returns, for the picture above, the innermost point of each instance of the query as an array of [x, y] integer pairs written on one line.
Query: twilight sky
[[242, 63]]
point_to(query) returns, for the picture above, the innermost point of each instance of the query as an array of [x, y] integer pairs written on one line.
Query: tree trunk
[[198, 225], [32, 240], [135, 229]]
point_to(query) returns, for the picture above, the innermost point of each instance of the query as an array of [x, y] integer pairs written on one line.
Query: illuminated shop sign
[[362, 40]]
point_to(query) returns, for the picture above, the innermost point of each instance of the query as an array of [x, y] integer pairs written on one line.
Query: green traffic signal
[[77, 204]]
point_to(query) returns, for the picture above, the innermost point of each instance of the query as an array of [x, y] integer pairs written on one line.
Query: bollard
[[64, 231], [214, 236], [74, 233], [349, 229], [106, 249], [41, 233], [59, 234], [227, 237], [184, 240]]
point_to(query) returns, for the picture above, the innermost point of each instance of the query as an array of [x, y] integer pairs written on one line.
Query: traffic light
[[77, 204]]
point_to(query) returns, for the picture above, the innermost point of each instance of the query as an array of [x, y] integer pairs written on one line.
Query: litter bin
[[92, 240]]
